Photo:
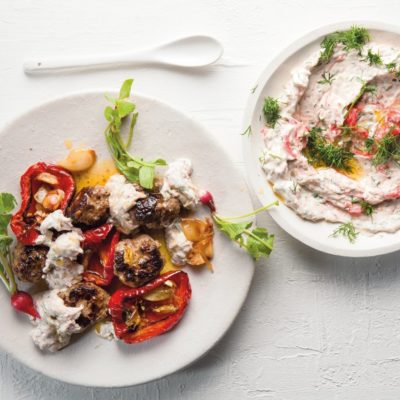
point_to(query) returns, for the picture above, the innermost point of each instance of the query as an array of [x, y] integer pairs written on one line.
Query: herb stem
[[275, 203]]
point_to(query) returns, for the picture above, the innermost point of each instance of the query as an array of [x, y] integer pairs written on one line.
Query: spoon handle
[[43, 65]]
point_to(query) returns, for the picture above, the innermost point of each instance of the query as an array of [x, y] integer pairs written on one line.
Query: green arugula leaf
[[257, 241], [125, 90], [135, 169], [7, 203]]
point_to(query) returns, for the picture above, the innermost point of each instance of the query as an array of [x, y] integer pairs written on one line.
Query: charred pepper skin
[[119, 305], [100, 263], [24, 229]]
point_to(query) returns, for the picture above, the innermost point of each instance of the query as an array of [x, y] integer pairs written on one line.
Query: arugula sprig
[[7, 204], [271, 110], [354, 38], [347, 230], [135, 169], [256, 241]]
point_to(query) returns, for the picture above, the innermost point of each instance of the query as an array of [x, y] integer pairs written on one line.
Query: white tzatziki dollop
[[123, 196], [177, 244], [320, 95], [61, 268], [178, 183], [57, 322], [106, 330]]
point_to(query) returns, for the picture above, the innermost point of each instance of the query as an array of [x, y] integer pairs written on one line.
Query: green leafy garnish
[[347, 230], [247, 132], [369, 144], [254, 89], [271, 110], [387, 149], [366, 207], [365, 88], [327, 78], [391, 67], [320, 152], [7, 204], [135, 169], [354, 38], [373, 58], [256, 241]]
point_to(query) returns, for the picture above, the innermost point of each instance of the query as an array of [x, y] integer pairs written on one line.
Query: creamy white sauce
[[178, 183], [325, 194], [123, 196], [106, 330], [61, 268], [57, 322], [177, 244]]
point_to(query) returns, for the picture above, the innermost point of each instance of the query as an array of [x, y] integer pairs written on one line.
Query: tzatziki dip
[[331, 140]]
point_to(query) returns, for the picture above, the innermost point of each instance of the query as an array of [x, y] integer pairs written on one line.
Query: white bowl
[[271, 83], [161, 131]]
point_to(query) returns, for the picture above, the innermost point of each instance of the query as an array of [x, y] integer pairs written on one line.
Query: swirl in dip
[[332, 145]]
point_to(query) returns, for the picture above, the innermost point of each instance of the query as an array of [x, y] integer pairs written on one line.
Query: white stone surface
[[314, 326]]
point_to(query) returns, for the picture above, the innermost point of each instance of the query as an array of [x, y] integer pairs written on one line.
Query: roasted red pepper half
[[24, 222], [139, 314], [99, 267], [96, 236]]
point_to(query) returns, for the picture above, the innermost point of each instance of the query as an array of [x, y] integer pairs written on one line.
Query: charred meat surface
[[138, 260], [155, 212], [90, 206], [28, 262], [93, 299]]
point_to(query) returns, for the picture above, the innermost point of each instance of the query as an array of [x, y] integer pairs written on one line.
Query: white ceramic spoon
[[189, 52]]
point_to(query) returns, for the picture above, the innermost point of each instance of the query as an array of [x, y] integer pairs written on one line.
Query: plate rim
[[253, 174], [98, 91]]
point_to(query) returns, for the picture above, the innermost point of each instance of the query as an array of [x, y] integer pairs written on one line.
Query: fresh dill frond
[[327, 78], [391, 67], [347, 230], [247, 132], [365, 88], [388, 148], [354, 38], [373, 58], [369, 144], [271, 110], [322, 153]]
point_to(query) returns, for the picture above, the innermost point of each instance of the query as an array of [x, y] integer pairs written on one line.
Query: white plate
[[271, 83], [217, 297]]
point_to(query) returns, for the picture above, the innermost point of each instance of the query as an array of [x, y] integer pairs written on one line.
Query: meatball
[[90, 206], [154, 212], [138, 260], [28, 262], [93, 298]]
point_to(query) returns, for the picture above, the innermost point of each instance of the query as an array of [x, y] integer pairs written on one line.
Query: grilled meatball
[[154, 212], [90, 206], [138, 260], [28, 262], [93, 299]]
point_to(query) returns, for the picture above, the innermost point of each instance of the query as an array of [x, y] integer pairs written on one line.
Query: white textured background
[[314, 326]]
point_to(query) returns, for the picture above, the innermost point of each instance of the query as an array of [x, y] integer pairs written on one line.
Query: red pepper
[[22, 223], [100, 266], [151, 324], [96, 235]]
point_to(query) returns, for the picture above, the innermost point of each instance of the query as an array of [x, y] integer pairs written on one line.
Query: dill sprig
[[327, 78], [247, 132], [373, 58], [388, 148], [347, 230], [354, 38], [365, 88], [391, 67], [367, 208], [320, 152], [271, 110]]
